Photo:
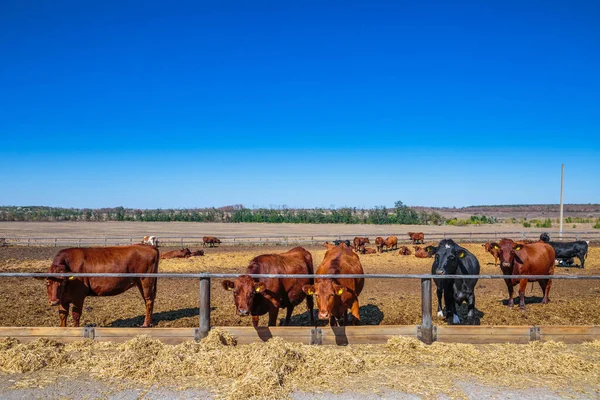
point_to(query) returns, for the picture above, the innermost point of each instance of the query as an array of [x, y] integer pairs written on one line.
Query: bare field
[[383, 301], [101, 229]]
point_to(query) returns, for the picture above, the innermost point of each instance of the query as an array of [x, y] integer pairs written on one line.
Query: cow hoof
[[455, 319], [440, 314]]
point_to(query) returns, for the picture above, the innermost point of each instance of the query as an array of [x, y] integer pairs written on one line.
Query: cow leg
[[522, 287], [77, 310], [471, 308], [288, 314], [273, 312], [255, 321], [450, 304], [355, 313], [333, 321], [310, 304], [439, 293], [63, 313], [147, 288], [509, 286], [546, 290], [581, 260]]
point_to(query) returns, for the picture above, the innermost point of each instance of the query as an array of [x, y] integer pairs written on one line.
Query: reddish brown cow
[[379, 243], [182, 253], [367, 250], [404, 251], [197, 253], [336, 296], [259, 296], [492, 250], [525, 259], [360, 242], [328, 245], [420, 252], [123, 259], [417, 237], [210, 240], [391, 243]]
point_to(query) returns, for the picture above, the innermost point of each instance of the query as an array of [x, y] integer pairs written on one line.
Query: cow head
[[447, 257], [366, 240], [244, 291], [55, 286], [544, 237], [328, 295], [505, 253]]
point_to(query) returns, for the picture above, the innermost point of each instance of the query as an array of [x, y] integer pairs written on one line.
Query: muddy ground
[[383, 301]]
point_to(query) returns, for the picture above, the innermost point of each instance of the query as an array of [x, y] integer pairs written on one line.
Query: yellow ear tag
[[461, 255], [518, 248], [340, 291], [71, 278], [311, 292], [496, 247], [257, 290]]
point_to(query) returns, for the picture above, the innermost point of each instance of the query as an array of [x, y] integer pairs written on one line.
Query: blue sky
[[312, 103]]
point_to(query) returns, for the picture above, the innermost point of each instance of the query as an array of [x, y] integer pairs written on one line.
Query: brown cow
[[259, 296], [328, 245], [404, 251], [525, 259], [420, 252], [379, 243], [210, 240], [391, 243], [367, 250], [336, 296], [197, 253], [182, 253], [123, 259], [417, 237], [360, 242], [492, 250]]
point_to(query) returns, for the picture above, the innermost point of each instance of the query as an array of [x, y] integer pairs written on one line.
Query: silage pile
[[276, 368]]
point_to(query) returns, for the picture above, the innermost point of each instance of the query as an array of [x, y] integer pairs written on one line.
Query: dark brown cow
[[360, 242], [197, 253], [259, 296], [336, 296], [210, 240], [181, 253], [404, 251], [379, 243], [123, 259], [525, 259], [417, 237], [420, 252], [492, 250]]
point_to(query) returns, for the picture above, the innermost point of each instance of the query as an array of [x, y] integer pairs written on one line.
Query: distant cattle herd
[[334, 297]]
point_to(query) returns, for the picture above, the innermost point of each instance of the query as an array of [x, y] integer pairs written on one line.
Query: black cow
[[452, 259], [566, 250], [338, 242]]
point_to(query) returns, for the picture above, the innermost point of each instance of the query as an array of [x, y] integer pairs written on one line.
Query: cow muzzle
[[506, 264], [53, 302], [323, 314], [243, 312], [439, 271]]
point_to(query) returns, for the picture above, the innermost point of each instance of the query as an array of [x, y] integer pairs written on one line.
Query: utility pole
[[562, 187]]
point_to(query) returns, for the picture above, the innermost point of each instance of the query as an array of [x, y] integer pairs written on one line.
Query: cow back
[[539, 259]]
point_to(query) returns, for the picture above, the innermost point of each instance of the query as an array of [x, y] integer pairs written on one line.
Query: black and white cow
[[338, 242], [452, 259], [567, 250]]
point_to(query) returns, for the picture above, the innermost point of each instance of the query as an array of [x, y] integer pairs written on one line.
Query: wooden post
[[79, 243], [182, 242], [28, 242], [426, 323], [104, 242], [204, 306], [55, 242]]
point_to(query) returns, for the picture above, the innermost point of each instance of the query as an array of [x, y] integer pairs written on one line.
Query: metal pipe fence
[[247, 240], [426, 329]]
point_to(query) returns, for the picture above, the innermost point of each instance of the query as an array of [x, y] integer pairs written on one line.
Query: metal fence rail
[[426, 330], [231, 240]]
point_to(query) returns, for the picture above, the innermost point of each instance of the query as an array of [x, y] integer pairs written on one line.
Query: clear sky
[[309, 103]]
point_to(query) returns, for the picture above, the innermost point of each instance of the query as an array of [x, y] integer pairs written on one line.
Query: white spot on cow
[[447, 246], [455, 319], [440, 313]]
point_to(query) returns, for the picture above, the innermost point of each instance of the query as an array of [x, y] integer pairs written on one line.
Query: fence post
[[426, 323], [182, 242], [55, 242], [79, 243], [28, 242], [234, 241], [104, 242], [204, 306]]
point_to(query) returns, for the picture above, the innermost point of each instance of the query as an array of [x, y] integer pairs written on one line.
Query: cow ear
[[494, 245], [227, 285], [339, 289], [308, 289], [259, 287]]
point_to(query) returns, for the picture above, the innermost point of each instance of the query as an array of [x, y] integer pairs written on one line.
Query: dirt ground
[[383, 301]]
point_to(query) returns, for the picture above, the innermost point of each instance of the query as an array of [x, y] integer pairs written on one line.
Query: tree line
[[399, 214]]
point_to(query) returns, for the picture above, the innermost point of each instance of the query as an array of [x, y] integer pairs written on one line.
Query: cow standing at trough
[[452, 259], [417, 237], [259, 296], [525, 259], [336, 296], [133, 259], [567, 250], [210, 240]]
